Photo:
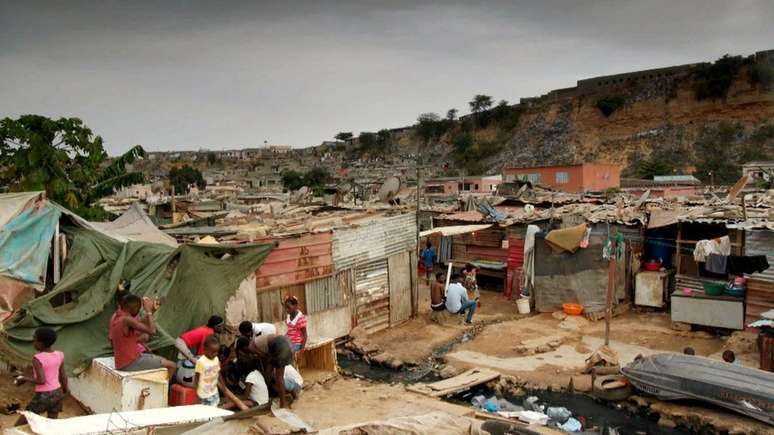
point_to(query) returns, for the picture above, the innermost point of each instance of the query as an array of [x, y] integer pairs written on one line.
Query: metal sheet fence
[[761, 242], [374, 240], [372, 292], [327, 293]]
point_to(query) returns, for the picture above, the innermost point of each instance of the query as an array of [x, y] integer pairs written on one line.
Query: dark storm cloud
[[186, 74]]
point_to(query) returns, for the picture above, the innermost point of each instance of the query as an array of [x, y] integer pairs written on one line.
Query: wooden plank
[[320, 355], [494, 417], [400, 287], [461, 382]]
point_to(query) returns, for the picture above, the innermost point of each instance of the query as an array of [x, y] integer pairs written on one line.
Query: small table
[[701, 309]]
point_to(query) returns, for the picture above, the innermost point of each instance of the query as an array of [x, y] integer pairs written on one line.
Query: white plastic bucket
[[523, 305]]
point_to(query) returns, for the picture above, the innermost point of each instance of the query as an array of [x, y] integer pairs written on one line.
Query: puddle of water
[[359, 367], [594, 413]]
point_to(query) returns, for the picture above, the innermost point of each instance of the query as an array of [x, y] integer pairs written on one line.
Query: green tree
[[427, 125], [345, 136], [480, 103], [317, 177], [713, 80], [64, 158], [292, 180], [383, 138], [451, 114], [716, 155], [366, 140], [608, 105], [212, 158], [185, 177]]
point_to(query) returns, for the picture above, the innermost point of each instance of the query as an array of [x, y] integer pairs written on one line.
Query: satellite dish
[[389, 189]]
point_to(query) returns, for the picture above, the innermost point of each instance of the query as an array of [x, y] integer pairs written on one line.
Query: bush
[[315, 179], [763, 75], [713, 80], [716, 154], [608, 105], [184, 177], [468, 154]]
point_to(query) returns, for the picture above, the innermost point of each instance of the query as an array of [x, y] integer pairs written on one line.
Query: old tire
[[613, 394]]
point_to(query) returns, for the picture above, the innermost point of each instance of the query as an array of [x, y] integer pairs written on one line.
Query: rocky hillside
[[687, 119]]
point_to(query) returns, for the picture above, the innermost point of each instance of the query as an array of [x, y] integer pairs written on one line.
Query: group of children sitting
[[236, 367]]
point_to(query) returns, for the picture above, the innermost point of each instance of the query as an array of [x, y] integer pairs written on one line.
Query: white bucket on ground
[[523, 305]]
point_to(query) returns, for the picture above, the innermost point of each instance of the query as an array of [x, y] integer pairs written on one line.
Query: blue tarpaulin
[[25, 244]]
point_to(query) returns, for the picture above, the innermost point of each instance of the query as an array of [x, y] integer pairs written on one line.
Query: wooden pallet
[[461, 382]]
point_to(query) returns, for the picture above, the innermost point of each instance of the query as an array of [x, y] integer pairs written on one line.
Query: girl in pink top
[[48, 376], [296, 323]]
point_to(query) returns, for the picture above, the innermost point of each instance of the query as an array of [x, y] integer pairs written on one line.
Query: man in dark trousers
[[274, 353]]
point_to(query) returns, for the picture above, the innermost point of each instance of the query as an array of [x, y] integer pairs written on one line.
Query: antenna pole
[[415, 299]]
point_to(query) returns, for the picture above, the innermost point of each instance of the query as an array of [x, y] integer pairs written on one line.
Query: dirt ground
[[10, 393], [342, 401], [424, 335], [546, 351]]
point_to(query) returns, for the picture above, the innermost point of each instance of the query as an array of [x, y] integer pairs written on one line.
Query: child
[[469, 273], [730, 357], [208, 373], [296, 323], [294, 383], [48, 376], [428, 260]]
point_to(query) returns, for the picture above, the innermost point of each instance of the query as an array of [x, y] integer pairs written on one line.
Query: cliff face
[[658, 119]]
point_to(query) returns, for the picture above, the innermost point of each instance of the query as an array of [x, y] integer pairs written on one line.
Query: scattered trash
[[491, 406], [478, 401], [506, 405], [530, 404], [533, 417], [558, 414], [571, 425]]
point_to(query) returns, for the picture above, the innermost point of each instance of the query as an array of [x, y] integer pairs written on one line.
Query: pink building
[[586, 177], [455, 185]]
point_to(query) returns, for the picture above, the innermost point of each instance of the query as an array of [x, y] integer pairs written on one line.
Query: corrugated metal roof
[[373, 240]]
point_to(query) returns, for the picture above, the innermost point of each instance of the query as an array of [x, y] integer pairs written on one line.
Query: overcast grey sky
[[189, 74]]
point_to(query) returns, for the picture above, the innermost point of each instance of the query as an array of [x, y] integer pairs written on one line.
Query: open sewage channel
[[597, 417]]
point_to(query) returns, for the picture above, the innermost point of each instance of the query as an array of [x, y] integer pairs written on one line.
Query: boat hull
[[676, 376]]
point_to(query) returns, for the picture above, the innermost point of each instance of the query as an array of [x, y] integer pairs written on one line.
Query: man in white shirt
[[457, 301], [250, 329]]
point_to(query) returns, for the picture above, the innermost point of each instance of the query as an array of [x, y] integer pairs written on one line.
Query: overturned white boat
[[672, 376]]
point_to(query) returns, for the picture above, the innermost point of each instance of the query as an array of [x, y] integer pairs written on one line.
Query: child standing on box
[[208, 373], [47, 375]]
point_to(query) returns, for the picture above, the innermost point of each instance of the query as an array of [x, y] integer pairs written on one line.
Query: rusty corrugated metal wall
[[365, 249], [377, 239], [327, 293], [296, 260], [372, 295]]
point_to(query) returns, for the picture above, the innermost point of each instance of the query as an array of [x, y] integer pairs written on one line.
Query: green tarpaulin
[[193, 282]]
